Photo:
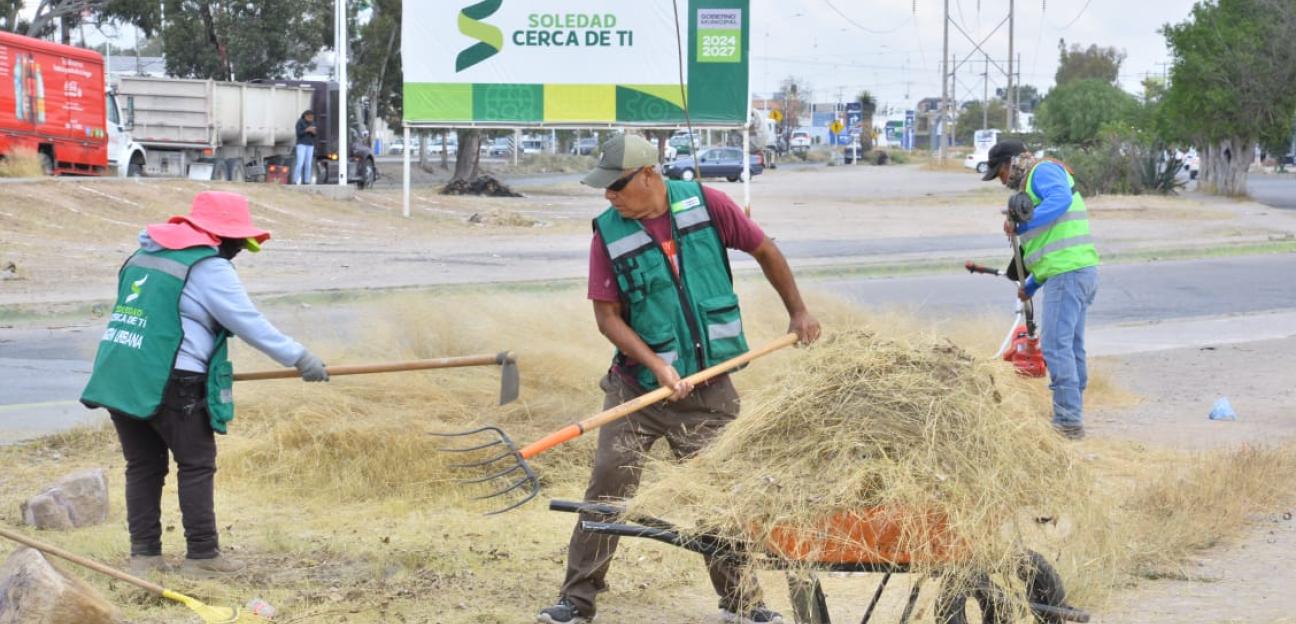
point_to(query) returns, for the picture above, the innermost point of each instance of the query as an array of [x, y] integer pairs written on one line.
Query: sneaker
[[758, 614], [220, 565], [144, 565], [1071, 432], [562, 613]]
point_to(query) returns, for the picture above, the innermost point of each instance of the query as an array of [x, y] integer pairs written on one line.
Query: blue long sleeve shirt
[[1050, 185], [213, 298]]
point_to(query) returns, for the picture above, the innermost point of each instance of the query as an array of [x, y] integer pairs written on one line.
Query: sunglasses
[[620, 183]]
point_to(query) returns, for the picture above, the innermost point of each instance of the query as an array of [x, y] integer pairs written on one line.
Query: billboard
[[574, 62]]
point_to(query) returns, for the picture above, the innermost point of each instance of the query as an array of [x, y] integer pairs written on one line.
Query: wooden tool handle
[[81, 561], [573, 431], [383, 367]]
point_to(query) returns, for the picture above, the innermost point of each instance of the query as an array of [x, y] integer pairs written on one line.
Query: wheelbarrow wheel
[[1043, 585], [952, 604]]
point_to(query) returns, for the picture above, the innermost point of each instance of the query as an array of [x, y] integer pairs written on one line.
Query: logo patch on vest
[[135, 289], [685, 204]]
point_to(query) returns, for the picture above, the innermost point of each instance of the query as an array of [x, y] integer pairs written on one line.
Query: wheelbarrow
[[866, 541]]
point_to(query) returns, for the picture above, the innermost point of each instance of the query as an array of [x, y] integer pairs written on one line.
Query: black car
[[715, 162]]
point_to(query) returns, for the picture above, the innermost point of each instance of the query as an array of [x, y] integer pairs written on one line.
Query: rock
[[34, 592], [77, 500]]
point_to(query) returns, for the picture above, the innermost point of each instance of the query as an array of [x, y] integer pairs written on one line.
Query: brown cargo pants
[[687, 425]]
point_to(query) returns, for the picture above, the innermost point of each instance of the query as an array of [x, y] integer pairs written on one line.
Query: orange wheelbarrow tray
[[857, 542]]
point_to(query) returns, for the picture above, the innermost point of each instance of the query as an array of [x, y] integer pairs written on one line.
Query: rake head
[[498, 457]]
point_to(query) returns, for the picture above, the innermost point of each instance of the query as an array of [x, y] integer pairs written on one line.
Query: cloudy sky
[[893, 47]]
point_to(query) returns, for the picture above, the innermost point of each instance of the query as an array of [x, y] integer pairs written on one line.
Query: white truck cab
[[126, 158]]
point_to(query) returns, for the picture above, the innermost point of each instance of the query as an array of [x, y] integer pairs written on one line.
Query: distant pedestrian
[[304, 166]]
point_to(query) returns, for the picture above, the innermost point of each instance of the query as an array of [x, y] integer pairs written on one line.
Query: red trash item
[[1025, 355]]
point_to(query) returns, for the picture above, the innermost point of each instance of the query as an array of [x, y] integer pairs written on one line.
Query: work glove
[[1028, 289], [311, 367]]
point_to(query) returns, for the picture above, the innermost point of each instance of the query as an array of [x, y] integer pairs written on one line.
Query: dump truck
[[55, 103], [213, 130]]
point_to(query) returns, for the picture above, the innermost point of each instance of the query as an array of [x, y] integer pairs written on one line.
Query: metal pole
[[985, 95], [747, 167], [340, 45], [1008, 95], [945, 82], [405, 184], [517, 144]]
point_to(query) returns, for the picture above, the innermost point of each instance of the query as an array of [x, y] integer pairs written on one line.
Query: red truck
[[54, 102]]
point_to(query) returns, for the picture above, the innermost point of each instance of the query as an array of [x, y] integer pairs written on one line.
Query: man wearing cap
[[163, 374], [663, 296], [1059, 255]]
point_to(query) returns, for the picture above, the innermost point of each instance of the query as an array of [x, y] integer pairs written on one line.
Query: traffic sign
[[776, 115], [836, 126]]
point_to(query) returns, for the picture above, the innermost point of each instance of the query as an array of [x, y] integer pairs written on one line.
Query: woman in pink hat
[[163, 373]]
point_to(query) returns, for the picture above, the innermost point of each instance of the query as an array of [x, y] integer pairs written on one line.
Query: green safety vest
[[692, 320], [138, 350], [1062, 246]]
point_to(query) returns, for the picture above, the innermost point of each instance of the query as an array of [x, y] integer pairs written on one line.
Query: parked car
[[715, 162], [500, 147], [1191, 163], [682, 143], [978, 160], [585, 146]]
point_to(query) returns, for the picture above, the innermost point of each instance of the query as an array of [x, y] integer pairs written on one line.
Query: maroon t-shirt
[[736, 229]]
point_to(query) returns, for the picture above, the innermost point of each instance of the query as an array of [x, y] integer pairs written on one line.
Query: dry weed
[[21, 163]]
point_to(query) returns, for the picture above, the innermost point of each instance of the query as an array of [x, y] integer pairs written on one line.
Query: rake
[[509, 378], [208, 613], [518, 474]]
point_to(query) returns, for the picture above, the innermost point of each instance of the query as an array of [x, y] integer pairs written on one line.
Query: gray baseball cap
[[620, 153]]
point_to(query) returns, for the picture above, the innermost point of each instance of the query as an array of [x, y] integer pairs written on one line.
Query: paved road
[[1277, 190], [1148, 306]]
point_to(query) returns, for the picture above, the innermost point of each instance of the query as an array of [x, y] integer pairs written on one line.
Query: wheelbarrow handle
[[385, 367], [573, 431]]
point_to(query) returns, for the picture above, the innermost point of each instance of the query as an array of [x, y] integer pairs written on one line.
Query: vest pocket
[[666, 346], [220, 394], [722, 322]]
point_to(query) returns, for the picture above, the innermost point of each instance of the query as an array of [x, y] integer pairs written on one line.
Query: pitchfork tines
[[515, 472]]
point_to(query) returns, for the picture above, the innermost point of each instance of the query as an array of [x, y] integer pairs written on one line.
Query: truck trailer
[[212, 130], [54, 102]]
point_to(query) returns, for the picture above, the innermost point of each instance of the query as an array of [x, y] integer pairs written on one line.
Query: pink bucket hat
[[213, 216]]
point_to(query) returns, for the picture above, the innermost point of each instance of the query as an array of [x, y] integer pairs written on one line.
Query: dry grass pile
[[21, 163], [945, 449]]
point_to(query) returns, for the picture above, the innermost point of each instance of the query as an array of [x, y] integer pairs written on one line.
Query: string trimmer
[[517, 473], [209, 614], [1021, 346]]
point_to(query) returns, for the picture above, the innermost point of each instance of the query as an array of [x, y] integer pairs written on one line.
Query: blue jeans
[[1067, 298], [304, 165]]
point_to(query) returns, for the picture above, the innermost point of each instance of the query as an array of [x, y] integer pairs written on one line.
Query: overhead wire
[[852, 22]]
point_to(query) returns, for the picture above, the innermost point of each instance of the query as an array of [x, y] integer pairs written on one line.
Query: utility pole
[[944, 116], [1008, 95], [985, 95]]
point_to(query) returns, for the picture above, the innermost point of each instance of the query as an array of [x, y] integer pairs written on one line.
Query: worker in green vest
[[162, 372], [1060, 257], [663, 295]]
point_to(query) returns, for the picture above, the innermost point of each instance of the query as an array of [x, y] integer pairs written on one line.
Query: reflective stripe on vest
[[1071, 215], [630, 244], [178, 270], [1058, 245]]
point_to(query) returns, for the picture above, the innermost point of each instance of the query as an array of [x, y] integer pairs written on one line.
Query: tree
[[793, 93], [1074, 113], [1092, 63], [1232, 84], [868, 106], [375, 72], [232, 39], [972, 117]]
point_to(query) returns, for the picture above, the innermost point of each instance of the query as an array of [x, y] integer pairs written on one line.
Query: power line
[[857, 24], [1076, 18]]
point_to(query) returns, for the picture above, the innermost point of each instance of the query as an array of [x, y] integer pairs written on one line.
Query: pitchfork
[[515, 459], [508, 370]]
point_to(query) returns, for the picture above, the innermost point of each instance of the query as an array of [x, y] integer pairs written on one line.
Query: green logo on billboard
[[490, 39]]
